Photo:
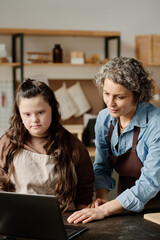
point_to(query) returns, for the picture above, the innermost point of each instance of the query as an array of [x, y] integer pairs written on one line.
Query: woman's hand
[[96, 203], [89, 214], [86, 215]]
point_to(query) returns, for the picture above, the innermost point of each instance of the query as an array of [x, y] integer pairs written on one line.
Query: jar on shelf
[[57, 53]]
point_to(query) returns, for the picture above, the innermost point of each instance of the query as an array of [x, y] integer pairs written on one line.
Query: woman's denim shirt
[[147, 118]]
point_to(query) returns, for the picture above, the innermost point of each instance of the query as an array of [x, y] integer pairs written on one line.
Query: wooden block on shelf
[[153, 217], [148, 49]]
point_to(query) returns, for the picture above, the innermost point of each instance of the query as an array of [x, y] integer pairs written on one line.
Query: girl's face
[[119, 100], [36, 115]]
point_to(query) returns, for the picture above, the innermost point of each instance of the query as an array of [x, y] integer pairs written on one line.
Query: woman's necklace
[[120, 126], [121, 129]]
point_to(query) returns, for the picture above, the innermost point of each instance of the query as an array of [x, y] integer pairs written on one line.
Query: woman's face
[[36, 115], [119, 100]]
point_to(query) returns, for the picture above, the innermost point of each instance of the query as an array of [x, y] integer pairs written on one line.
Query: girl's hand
[[86, 215], [96, 203]]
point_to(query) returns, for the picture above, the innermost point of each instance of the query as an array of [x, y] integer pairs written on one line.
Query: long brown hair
[[58, 144]]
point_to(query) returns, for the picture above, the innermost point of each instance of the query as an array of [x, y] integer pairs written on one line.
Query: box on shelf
[[77, 58], [148, 49]]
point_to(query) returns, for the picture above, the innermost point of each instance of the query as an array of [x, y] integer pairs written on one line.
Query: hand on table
[[96, 213], [86, 215]]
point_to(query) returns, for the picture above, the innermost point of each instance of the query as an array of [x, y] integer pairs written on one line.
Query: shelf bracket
[[107, 45], [14, 55]]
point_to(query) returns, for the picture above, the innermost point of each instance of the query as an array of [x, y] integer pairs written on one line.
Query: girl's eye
[[40, 112]]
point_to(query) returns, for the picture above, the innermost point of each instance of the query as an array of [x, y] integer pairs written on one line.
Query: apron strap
[[110, 133], [135, 138]]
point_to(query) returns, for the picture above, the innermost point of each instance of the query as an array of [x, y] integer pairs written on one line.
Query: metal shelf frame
[[14, 56], [107, 39]]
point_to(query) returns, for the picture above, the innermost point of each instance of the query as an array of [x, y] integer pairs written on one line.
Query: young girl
[[39, 156]]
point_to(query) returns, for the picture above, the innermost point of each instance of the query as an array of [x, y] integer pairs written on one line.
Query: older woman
[[127, 139]]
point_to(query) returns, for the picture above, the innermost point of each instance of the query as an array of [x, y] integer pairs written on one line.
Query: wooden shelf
[[49, 32], [17, 64], [61, 64]]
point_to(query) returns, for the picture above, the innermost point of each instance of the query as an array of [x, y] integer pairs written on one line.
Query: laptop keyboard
[[7, 238], [70, 232]]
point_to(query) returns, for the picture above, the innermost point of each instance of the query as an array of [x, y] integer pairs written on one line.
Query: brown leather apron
[[127, 165]]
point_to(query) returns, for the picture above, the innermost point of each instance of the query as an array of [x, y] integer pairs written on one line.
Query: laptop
[[33, 216]]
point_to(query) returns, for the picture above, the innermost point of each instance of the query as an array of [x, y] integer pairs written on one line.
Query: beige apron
[[34, 173]]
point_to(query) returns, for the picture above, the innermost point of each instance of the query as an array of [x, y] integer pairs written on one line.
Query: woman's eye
[[120, 97]]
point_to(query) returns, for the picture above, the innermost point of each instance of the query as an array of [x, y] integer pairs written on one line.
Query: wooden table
[[126, 226]]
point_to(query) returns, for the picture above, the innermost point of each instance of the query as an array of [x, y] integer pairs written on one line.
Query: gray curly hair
[[131, 74]]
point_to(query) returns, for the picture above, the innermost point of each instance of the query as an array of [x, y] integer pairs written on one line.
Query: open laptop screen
[[32, 216]]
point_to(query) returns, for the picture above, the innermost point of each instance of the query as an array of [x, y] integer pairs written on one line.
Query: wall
[[130, 17]]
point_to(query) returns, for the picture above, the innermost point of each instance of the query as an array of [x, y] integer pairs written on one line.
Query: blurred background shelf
[[17, 64], [61, 64]]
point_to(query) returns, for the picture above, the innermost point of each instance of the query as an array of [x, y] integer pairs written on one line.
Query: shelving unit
[[18, 36], [45, 32], [21, 33], [10, 64]]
